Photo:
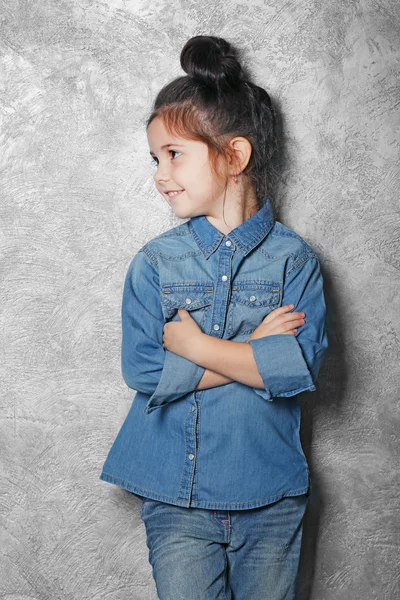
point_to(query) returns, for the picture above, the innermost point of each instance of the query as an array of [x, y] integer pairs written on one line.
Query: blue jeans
[[205, 554]]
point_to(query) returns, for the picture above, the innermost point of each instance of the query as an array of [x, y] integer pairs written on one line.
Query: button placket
[[189, 468], [222, 287]]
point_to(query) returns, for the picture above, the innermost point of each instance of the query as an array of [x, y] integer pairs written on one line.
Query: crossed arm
[[273, 365], [226, 361], [239, 356], [212, 379]]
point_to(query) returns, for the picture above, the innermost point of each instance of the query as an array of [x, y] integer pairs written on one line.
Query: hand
[[280, 320], [179, 336]]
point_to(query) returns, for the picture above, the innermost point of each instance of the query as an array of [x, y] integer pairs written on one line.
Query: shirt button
[[252, 298], [216, 327], [228, 243], [224, 277], [188, 300], [193, 408], [191, 456]]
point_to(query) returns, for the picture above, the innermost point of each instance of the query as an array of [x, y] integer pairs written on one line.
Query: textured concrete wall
[[77, 201]]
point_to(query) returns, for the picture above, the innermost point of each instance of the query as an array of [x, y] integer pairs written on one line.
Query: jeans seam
[[225, 573]]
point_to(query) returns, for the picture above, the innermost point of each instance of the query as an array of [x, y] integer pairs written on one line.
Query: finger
[[281, 310], [283, 317], [286, 327], [284, 308], [292, 325], [293, 322]]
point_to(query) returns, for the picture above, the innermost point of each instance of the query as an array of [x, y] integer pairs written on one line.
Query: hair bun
[[212, 61]]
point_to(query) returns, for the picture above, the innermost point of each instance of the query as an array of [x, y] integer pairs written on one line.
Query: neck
[[240, 204]]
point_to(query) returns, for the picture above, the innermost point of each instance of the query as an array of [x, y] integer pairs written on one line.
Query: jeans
[[206, 554]]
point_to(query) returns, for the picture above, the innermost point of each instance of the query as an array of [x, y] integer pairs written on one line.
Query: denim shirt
[[232, 446]]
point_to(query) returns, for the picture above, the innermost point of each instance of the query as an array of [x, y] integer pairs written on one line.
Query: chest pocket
[[251, 301], [196, 298]]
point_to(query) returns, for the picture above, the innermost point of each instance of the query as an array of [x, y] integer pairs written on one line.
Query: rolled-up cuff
[[179, 377], [282, 366]]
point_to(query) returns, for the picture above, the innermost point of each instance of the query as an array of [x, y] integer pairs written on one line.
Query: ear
[[240, 153]]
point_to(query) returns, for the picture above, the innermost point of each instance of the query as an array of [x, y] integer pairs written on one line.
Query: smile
[[172, 194]]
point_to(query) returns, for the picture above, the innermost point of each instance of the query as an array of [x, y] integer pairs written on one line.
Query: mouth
[[173, 193]]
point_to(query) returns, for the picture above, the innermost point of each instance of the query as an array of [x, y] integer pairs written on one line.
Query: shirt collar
[[246, 236]]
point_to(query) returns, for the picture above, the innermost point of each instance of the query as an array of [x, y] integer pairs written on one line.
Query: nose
[[162, 173]]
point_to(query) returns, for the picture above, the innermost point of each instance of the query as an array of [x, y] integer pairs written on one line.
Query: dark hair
[[215, 102]]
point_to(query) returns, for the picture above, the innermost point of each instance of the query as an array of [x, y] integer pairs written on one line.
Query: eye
[[175, 151], [155, 160]]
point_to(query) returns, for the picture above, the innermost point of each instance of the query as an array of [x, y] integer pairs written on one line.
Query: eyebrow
[[167, 146]]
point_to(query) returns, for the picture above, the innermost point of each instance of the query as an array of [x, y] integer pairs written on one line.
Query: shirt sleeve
[[146, 365], [289, 364]]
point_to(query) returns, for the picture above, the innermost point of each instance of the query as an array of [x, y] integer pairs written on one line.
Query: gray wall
[[77, 202]]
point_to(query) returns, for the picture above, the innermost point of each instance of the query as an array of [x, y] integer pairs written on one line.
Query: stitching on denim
[[282, 230], [197, 433], [225, 572], [179, 231], [194, 461], [186, 453], [246, 249], [305, 248], [300, 260], [220, 506], [279, 232], [206, 251], [310, 388], [187, 254], [261, 250], [186, 283], [149, 255]]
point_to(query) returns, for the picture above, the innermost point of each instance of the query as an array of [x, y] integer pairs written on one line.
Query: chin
[[182, 212], [182, 215]]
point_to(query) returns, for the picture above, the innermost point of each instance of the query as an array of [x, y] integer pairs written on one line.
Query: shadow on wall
[[318, 406]]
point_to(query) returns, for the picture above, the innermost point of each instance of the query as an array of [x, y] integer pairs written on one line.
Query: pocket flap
[[189, 296], [256, 293]]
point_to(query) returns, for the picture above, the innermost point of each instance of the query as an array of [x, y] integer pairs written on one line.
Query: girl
[[214, 350]]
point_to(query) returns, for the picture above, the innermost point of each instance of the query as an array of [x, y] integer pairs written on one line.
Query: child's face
[[184, 165]]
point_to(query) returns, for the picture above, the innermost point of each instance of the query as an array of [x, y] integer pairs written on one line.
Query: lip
[[175, 195]]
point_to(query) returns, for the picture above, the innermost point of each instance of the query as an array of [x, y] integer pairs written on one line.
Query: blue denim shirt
[[232, 446]]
